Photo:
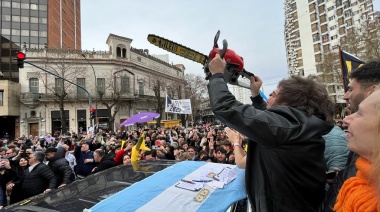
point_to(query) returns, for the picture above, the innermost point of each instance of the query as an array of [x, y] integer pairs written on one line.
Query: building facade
[[123, 72], [315, 27], [31, 24]]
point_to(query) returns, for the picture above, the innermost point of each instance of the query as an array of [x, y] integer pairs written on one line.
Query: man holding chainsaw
[[285, 168]]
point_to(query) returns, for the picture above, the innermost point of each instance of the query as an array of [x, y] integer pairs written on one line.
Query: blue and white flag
[[159, 193], [181, 106], [263, 95]]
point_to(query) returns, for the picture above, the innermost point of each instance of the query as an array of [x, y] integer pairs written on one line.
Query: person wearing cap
[[85, 159], [59, 165]]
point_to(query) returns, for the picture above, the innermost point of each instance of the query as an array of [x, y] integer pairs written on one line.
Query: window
[[5, 31], [25, 32], [43, 21], [33, 6], [333, 27], [330, 8], [24, 6], [24, 19], [1, 97], [6, 17], [43, 34], [33, 85], [16, 5], [5, 3], [44, 7], [58, 85], [331, 18], [34, 33], [124, 84], [15, 32], [15, 18], [101, 85], [334, 37], [80, 92], [141, 88], [34, 20]]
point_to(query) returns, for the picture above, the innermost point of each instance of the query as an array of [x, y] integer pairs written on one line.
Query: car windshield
[[86, 193]]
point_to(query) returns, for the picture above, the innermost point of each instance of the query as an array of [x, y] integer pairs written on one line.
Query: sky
[[253, 29]]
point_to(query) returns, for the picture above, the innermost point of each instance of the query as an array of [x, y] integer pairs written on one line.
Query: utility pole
[[96, 88]]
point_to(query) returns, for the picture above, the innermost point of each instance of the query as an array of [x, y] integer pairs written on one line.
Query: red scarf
[[357, 194]]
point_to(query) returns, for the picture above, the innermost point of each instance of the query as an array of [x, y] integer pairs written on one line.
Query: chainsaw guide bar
[[177, 49]]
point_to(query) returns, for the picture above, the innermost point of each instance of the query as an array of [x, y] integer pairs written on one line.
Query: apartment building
[[32, 25], [314, 27]]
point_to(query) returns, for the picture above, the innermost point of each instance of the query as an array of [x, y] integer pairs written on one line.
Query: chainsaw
[[234, 63]]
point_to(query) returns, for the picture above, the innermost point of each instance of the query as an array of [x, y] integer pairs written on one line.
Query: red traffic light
[[92, 110], [20, 55]]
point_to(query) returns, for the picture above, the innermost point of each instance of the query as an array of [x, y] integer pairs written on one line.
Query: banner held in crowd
[[349, 62], [181, 106]]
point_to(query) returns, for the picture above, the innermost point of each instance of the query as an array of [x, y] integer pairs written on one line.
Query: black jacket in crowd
[[38, 180], [105, 163], [332, 193], [17, 175], [61, 167], [285, 168]]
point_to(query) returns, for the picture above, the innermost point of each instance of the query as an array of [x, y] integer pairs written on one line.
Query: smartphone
[[331, 175]]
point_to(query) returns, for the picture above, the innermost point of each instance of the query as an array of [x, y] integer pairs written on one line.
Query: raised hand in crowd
[[236, 139]]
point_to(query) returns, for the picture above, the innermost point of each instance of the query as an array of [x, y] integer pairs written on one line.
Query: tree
[[158, 85], [176, 90], [362, 41], [198, 90], [61, 63], [117, 83]]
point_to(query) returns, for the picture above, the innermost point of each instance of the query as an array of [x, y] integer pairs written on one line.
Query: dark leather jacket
[[285, 168]]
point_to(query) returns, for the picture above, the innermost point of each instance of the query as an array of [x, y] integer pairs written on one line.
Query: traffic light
[[20, 59], [92, 113]]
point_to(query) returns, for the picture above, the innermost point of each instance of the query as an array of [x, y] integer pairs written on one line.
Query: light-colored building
[[123, 71], [241, 94], [314, 27]]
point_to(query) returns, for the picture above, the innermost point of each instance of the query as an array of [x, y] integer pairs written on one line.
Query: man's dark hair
[[368, 74], [305, 94], [38, 155], [99, 152], [13, 150], [220, 149], [191, 147]]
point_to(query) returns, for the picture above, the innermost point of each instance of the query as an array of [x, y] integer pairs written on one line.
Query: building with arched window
[[120, 81]]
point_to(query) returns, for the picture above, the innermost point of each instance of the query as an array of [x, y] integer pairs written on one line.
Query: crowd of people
[[296, 157], [33, 165]]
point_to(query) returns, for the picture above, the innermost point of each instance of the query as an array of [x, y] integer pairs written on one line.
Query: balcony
[[31, 100]]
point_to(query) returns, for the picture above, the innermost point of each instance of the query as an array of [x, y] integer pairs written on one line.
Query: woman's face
[[126, 160], [23, 162], [363, 127]]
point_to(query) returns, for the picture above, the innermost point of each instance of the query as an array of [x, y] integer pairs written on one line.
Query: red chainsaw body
[[230, 57]]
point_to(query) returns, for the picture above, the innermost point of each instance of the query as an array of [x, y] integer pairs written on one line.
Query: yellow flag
[[140, 145]]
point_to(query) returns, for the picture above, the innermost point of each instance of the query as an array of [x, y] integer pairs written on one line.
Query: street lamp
[[96, 87]]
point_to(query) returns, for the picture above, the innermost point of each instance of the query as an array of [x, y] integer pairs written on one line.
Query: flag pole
[[341, 68]]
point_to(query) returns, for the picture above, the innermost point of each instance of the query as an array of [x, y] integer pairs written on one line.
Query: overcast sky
[[254, 29]]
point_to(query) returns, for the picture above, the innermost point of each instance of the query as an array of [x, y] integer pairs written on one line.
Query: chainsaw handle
[[216, 38], [224, 50]]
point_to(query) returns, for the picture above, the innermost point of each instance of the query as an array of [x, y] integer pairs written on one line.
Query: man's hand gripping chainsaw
[[234, 63]]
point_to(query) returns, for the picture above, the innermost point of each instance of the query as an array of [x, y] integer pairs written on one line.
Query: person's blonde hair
[[375, 167]]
